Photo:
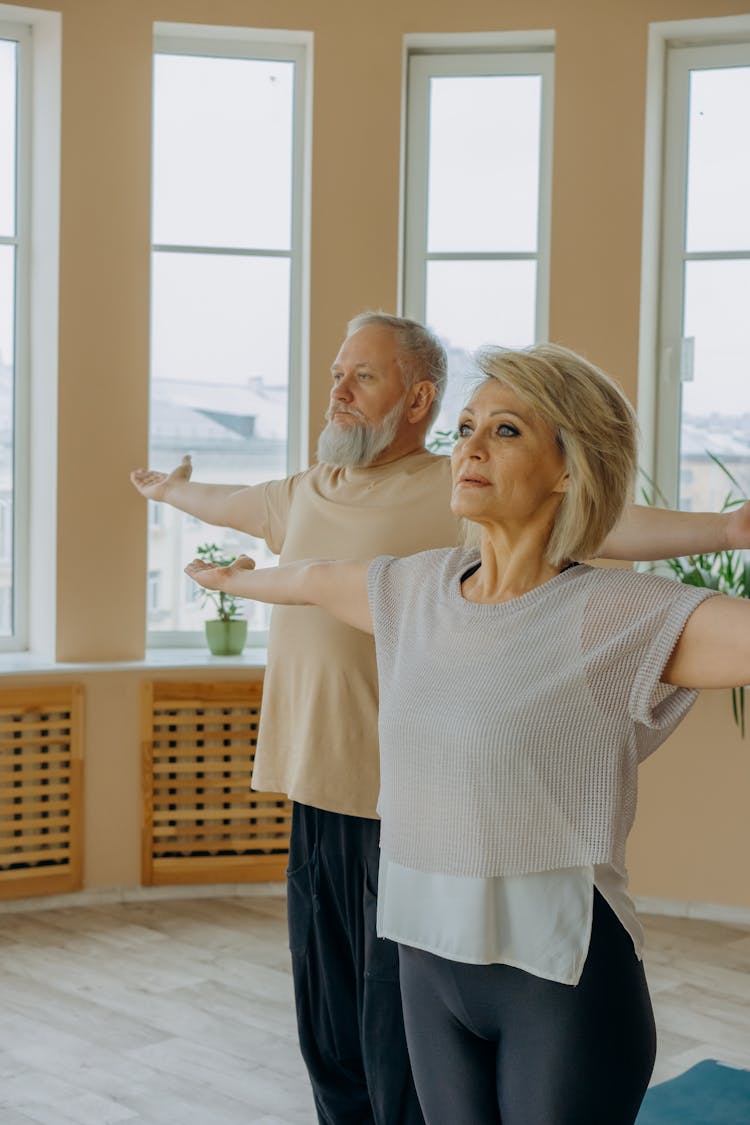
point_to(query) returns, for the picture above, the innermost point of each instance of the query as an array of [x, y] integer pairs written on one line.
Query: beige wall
[[693, 831]]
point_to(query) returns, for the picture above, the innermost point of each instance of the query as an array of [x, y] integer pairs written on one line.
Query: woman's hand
[[214, 577], [338, 587]]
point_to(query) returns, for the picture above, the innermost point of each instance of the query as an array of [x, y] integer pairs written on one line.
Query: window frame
[[153, 588], [233, 43], [18, 640], [422, 64], [664, 457]]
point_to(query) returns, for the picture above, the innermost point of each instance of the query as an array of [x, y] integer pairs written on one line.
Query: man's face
[[367, 381], [366, 406]]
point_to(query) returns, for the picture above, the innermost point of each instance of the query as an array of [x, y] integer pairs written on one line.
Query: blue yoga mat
[[707, 1094]]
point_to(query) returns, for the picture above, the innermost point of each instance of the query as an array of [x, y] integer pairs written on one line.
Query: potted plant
[[227, 632]]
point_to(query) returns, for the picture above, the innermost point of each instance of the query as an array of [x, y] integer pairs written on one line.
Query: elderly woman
[[519, 690]]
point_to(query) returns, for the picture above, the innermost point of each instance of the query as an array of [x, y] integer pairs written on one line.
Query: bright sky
[[222, 177], [7, 192], [483, 181], [7, 136], [717, 294]]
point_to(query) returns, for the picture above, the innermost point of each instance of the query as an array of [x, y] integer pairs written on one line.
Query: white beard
[[358, 445]]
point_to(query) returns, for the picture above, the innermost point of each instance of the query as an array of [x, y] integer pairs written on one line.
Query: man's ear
[[421, 398]]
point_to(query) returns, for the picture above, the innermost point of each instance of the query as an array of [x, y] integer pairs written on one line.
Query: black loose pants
[[346, 979]]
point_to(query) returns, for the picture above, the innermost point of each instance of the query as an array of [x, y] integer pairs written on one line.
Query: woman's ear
[[563, 483]]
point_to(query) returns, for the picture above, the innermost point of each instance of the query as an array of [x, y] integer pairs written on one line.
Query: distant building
[[703, 486], [235, 434]]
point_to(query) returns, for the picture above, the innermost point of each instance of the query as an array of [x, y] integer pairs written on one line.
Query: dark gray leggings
[[494, 1045]]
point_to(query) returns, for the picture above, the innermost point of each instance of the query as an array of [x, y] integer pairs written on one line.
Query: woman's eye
[[463, 430], [506, 430]]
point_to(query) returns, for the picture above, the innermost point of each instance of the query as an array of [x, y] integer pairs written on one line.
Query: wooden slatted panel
[[41, 790], [202, 823]]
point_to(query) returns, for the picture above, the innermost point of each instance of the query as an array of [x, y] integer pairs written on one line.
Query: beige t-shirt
[[318, 737]]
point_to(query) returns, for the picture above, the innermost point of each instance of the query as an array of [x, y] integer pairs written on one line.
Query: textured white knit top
[[510, 734]]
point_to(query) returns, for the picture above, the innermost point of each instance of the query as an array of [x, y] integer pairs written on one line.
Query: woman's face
[[507, 465]]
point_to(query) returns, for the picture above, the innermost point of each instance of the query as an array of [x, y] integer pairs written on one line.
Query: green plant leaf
[[720, 465], [442, 440]]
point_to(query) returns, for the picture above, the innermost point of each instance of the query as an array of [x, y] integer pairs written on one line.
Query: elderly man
[[376, 490]]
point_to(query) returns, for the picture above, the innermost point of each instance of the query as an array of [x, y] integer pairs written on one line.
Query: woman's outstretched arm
[[338, 587], [714, 649]]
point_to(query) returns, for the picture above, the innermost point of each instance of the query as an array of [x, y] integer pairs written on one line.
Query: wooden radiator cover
[[202, 823], [41, 790]]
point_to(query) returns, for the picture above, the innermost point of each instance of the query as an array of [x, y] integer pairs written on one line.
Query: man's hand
[[215, 577], [737, 528], [156, 486], [223, 505]]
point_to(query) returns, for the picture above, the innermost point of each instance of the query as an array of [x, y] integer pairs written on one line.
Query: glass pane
[[220, 319], [7, 303], [223, 152], [220, 371], [8, 64], [716, 403], [483, 179], [475, 303], [718, 199]]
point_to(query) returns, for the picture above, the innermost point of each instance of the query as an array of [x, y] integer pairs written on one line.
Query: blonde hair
[[595, 428]]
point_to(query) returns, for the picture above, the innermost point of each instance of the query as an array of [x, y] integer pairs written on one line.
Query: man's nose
[[342, 390]]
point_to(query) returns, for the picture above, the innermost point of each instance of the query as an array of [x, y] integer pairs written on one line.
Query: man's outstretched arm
[[338, 587], [225, 505], [646, 533]]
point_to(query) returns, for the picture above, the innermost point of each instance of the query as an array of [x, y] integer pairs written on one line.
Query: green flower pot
[[226, 638]]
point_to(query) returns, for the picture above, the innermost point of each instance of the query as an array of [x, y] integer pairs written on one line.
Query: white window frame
[[444, 61], [6, 532], [191, 592], [155, 517], [153, 589], [18, 640], [279, 46], [674, 353], [658, 402]]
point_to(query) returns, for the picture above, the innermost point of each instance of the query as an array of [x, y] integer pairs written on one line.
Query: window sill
[[25, 663]]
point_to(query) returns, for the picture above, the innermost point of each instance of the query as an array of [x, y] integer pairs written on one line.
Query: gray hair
[[421, 355]]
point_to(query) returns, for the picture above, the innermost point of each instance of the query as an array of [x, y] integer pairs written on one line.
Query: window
[[477, 203], [703, 386], [192, 592], [6, 531], [155, 516], [14, 312], [154, 591], [226, 315]]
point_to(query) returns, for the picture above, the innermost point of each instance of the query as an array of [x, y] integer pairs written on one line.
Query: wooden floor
[[180, 1012]]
